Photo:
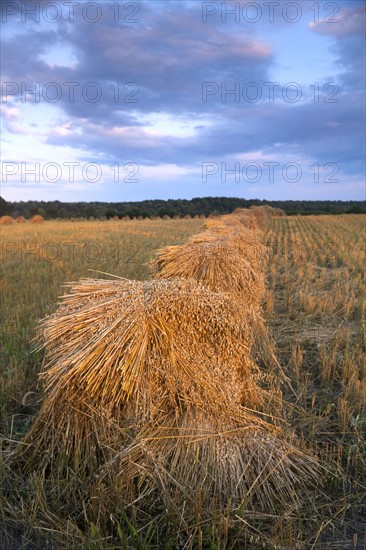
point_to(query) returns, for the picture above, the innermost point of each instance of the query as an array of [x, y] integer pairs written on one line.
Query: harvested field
[[313, 305]]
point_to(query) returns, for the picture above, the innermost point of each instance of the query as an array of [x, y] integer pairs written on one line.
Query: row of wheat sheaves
[[151, 392]]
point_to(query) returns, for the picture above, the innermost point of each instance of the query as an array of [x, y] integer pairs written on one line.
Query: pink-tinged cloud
[[9, 113], [10, 117], [164, 52], [349, 23], [63, 130]]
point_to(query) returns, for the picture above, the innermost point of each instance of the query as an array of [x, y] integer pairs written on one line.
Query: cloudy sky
[[136, 100]]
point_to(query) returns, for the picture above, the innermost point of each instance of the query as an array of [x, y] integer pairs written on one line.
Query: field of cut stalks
[[199, 384]]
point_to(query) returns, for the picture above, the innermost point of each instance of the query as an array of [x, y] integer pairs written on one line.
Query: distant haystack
[[278, 212], [6, 220], [263, 214], [254, 218], [244, 217], [37, 219]]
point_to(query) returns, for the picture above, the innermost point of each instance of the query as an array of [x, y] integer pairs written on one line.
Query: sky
[[158, 99]]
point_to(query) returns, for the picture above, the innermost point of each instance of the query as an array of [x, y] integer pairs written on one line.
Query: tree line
[[171, 207]]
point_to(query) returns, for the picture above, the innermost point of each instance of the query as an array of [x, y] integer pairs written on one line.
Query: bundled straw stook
[[146, 380], [133, 352], [110, 337], [212, 465], [228, 257], [240, 217], [263, 214], [223, 259]]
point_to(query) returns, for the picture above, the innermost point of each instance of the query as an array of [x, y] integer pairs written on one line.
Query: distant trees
[[90, 211], [110, 213], [172, 208], [5, 208]]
